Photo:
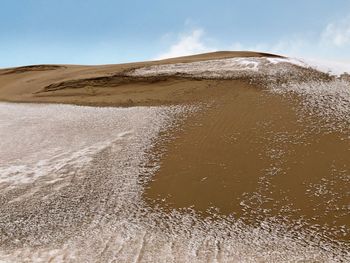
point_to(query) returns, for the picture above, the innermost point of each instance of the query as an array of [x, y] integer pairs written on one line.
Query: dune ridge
[[108, 84]]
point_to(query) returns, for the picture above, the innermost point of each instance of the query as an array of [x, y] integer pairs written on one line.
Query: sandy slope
[[269, 142], [104, 85]]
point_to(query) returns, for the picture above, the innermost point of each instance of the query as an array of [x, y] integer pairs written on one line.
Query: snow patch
[[122, 227], [215, 68], [336, 68]]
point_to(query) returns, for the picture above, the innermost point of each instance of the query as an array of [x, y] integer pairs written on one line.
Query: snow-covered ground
[[71, 185], [329, 99], [71, 181], [332, 67], [38, 140], [230, 66], [217, 68]]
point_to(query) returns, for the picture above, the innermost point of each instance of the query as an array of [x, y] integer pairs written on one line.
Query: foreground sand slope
[[250, 163]]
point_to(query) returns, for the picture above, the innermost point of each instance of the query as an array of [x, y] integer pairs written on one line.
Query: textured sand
[[243, 157], [106, 85]]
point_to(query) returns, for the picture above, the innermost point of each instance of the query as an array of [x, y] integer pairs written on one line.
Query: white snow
[[328, 66], [38, 140], [330, 100], [229, 66], [43, 138], [217, 68], [208, 68]]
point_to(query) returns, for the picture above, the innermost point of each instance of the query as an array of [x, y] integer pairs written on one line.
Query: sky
[[108, 32]]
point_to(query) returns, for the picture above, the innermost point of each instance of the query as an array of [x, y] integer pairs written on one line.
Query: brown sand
[[103, 85], [247, 153]]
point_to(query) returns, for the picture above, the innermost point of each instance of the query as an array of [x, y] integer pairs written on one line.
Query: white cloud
[[329, 43], [188, 44], [337, 33]]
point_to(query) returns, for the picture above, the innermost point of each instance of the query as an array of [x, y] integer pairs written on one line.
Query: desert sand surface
[[218, 157], [107, 85]]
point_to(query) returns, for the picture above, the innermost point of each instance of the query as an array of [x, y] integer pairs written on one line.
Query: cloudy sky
[[107, 31]]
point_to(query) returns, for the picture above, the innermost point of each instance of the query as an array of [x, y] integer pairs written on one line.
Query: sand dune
[[106, 85], [242, 157]]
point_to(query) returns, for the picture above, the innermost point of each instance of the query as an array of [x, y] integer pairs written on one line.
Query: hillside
[[108, 84]]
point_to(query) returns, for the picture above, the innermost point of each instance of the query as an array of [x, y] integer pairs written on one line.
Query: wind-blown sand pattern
[[238, 159]]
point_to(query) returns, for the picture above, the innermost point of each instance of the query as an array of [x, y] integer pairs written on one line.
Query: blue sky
[[106, 31]]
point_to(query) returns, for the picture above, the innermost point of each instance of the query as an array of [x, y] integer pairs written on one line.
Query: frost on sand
[[71, 191]]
